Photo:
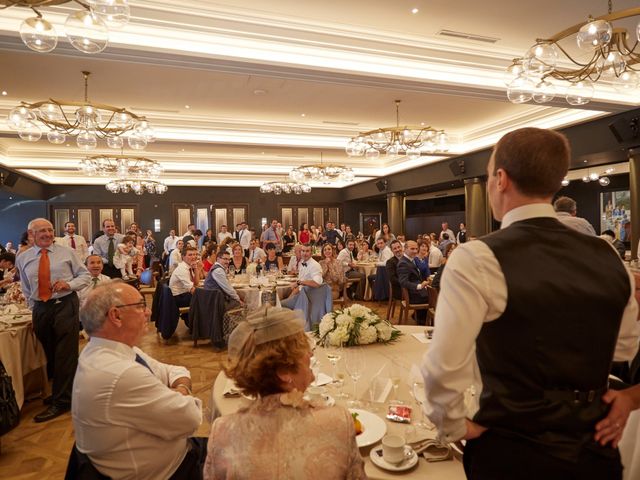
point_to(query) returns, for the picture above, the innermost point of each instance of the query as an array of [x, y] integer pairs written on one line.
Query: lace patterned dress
[[333, 275], [284, 437]]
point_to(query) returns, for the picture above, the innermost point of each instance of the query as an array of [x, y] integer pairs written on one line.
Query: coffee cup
[[393, 448]]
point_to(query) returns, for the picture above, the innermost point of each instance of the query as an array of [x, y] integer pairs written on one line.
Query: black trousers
[[111, 271], [193, 463], [183, 300], [495, 457], [56, 324]]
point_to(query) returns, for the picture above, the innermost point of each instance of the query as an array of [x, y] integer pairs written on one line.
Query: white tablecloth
[[368, 268]]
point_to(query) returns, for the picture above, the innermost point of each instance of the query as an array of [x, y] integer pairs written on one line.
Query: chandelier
[[322, 172], [601, 178], [136, 174], [609, 59], [85, 120], [87, 29], [405, 140], [285, 186]]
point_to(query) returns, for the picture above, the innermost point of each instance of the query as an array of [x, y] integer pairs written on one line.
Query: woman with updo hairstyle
[[238, 263], [280, 434]]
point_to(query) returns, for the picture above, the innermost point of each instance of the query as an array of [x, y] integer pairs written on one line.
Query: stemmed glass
[[420, 395], [334, 354], [354, 363]]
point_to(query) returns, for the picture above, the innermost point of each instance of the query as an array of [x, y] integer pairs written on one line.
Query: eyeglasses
[[142, 304]]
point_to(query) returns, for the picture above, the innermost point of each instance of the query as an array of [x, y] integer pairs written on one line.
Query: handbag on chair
[[9, 411]]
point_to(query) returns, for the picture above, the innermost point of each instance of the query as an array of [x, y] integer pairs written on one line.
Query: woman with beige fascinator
[[280, 435]]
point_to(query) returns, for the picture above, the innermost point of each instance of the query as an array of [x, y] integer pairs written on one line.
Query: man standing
[[332, 234], [191, 228], [541, 337], [244, 237], [223, 233], [51, 275], [448, 231], [347, 259], [309, 275], [566, 210], [217, 280], [106, 246], [132, 415], [94, 266], [271, 236], [392, 268], [77, 243], [409, 277], [168, 246], [435, 256], [185, 277], [462, 234]]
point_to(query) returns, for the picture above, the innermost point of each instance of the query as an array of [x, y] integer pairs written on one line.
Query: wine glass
[[355, 363], [420, 395], [334, 354]]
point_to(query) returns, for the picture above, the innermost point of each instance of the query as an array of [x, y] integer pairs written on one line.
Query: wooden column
[[395, 213], [634, 188], [477, 208]]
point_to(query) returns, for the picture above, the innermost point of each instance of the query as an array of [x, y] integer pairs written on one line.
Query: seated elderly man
[[132, 415], [217, 280]]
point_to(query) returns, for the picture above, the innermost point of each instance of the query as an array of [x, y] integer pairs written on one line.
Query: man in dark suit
[[392, 269], [409, 277]]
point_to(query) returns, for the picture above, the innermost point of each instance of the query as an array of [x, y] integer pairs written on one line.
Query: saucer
[[410, 460]]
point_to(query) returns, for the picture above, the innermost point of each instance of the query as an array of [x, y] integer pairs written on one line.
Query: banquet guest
[[8, 247], [272, 262], [435, 256], [50, 276], [313, 235], [384, 252], [610, 236], [422, 259], [194, 241], [461, 237], [191, 228], [271, 235], [542, 366], [385, 233], [438, 276], [409, 277], [7, 269], [224, 233], [238, 264], [26, 242], [445, 242], [279, 435], [176, 256], [365, 254], [309, 275], [77, 243], [256, 254], [288, 239], [132, 415], [347, 259], [332, 270], [125, 254], [227, 244], [244, 238], [348, 233], [208, 237], [106, 246], [332, 235], [217, 280], [150, 251], [185, 277], [209, 256], [392, 268], [94, 266], [304, 236], [170, 243], [448, 231], [622, 402], [294, 262], [566, 211]]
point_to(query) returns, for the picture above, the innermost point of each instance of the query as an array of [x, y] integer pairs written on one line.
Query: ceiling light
[[609, 59], [132, 174], [87, 29], [85, 120], [406, 140], [187, 106], [322, 172], [414, 10], [4, 93], [285, 186], [303, 115], [601, 178]]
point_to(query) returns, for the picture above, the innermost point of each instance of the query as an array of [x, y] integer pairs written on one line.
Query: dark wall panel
[[352, 211], [15, 216]]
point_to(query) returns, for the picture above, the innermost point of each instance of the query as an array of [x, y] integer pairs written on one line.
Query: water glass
[[355, 364]]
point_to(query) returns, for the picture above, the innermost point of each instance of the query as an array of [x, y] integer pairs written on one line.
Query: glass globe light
[[611, 66], [565, 182], [586, 179], [627, 81], [306, 188], [380, 138], [544, 92], [123, 120], [20, 117], [580, 93], [393, 150], [30, 132], [137, 188], [520, 90], [112, 187], [593, 35], [540, 59], [87, 140], [115, 142], [86, 32], [513, 71], [137, 142], [143, 129], [161, 188], [125, 188], [430, 146], [371, 154], [115, 13], [593, 177], [264, 188], [351, 149], [443, 142], [604, 181], [51, 112], [56, 137], [88, 116], [38, 34], [413, 153]]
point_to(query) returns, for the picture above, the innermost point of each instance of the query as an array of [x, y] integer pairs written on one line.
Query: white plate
[[410, 460], [374, 427]]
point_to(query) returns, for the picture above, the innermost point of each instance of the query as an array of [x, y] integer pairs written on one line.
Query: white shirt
[[345, 257], [312, 271], [82, 294], [383, 256], [223, 235], [435, 257], [81, 250], [257, 254], [180, 281], [474, 291], [125, 418], [175, 258], [244, 237], [448, 231], [577, 223], [170, 243], [293, 264]]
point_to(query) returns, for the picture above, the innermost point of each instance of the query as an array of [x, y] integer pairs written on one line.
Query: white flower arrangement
[[354, 325]]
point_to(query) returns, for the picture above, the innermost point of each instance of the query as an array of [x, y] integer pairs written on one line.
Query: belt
[[56, 300], [576, 397]]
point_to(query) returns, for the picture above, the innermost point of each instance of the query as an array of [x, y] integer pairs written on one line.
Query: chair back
[[433, 296], [405, 295]]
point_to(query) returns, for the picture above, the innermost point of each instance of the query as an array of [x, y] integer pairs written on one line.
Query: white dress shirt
[[448, 231], [82, 294], [311, 271], [345, 257], [577, 223], [81, 250], [383, 256], [181, 281], [435, 257], [257, 254], [170, 243], [223, 235], [125, 418], [474, 291], [244, 237], [293, 264]]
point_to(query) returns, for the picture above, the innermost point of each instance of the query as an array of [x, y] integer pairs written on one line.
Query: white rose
[[368, 335], [326, 325], [344, 320], [384, 331], [339, 336], [358, 310]]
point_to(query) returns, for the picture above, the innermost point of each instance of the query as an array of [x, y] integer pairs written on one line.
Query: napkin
[[230, 389], [322, 379], [434, 451], [421, 337]]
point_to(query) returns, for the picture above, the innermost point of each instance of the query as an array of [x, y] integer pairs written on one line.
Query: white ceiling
[[327, 70]]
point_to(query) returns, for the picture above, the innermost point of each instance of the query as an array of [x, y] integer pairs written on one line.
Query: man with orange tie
[[50, 275], [77, 243]]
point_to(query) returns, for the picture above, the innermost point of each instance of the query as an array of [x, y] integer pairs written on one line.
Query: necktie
[[142, 362], [111, 251], [193, 275], [73, 243], [304, 264], [44, 276], [95, 282]]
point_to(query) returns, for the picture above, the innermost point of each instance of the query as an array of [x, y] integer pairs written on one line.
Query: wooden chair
[[406, 306], [344, 301], [391, 306], [433, 301]]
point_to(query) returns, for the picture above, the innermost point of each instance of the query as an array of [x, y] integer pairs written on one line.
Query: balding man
[[106, 246], [132, 415], [566, 210], [50, 275], [409, 277]]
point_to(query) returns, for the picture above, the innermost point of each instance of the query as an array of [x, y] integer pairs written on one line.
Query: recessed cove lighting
[[187, 107], [4, 93], [303, 114], [414, 10]]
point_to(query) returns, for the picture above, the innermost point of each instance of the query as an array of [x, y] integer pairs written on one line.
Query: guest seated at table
[[26, 242], [272, 262], [422, 259], [310, 275], [347, 258], [238, 263], [7, 269], [227, 244], [365, 254], [409, 277], [332, 271], [209, 257], [217, 280], [255, 252], [294, 262], [384, 252], [436, 279], [94, 265], [385, 233], [392, 268], [304, 235], [279, 435], [288, 240], [185, 277], [435, 255], [444, 241], [176, 256], [132, 415]]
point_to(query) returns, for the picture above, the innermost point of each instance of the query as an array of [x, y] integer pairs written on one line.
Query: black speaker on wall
[[457, 167], [382, 185], [626, 129], [8, 178]]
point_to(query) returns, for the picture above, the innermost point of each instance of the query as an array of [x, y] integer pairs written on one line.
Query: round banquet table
[[251, 295], [403, 354]]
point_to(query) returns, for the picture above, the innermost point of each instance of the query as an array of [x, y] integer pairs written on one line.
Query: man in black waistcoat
[[545, 309]]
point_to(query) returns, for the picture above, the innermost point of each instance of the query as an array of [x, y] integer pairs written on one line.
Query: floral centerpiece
[[354, 325]]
